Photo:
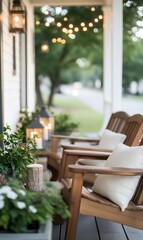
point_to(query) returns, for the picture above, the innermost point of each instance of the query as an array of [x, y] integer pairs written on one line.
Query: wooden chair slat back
[[133, 129], [138, 196], [117, 121]]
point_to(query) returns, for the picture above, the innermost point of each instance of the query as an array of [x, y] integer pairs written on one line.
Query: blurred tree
[[72, 44], [72, 37]]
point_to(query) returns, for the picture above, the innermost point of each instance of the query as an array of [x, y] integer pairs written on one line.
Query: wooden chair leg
[[74, 206]]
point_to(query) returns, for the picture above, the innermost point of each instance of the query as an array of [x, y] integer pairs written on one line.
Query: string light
[[63, 41], [44, 47], [47, 24], [93, 9], [100, 17], [95, 30], [82, 24], [46, 12], [70, 25], [90, 24], [96, 20], [54, 40], [84, 29], [76, 29], [59, 39], [72, 36], [37, 22], [59, 24]]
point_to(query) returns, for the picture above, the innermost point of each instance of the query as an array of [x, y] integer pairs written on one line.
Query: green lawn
[[88, 119]]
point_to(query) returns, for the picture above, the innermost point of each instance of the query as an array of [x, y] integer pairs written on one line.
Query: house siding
[[11, 81]]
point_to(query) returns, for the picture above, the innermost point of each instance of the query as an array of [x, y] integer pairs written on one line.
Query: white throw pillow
[[120, 189], [110, 139]]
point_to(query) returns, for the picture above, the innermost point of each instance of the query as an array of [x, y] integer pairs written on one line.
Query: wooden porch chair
[[133, 129], [116, 124], [84, 201]]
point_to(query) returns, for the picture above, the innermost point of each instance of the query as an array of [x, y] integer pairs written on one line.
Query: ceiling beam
[[66, 2]]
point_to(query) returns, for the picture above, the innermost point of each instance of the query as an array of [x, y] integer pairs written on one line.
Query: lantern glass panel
[[44, 121], [31, 132], [17, 21]]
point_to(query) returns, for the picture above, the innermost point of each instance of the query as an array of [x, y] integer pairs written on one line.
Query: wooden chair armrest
[[81, 139], [106, 170], [87, 153], [60, 137], [76, 139], [74, 147]]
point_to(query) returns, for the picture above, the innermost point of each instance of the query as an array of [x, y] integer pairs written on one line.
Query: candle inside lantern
[[35, 177], [38, 142], [49, 130], [46, 133], [32, 135]]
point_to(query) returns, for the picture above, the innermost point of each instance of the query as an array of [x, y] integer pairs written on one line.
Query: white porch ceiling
[[66, 2]]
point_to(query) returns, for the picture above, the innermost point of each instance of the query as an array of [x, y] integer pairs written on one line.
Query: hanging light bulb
[[44, 47]]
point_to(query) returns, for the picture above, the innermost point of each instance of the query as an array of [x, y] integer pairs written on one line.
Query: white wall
[[11, 85]]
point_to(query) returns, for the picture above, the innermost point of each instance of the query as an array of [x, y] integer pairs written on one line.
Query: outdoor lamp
[[35, 131], [17, 17], [47, 120]]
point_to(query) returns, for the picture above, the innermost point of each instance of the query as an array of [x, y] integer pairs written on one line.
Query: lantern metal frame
[[17, 17], [47, 120], [35, 131]]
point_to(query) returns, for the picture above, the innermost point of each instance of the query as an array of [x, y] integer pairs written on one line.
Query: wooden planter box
[[44, 233]]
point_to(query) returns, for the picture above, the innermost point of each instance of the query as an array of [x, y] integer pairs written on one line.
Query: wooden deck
[[90, 228]]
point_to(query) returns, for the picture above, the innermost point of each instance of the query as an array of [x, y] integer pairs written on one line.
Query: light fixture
[[35, 131], [47, 120], [17, 17]]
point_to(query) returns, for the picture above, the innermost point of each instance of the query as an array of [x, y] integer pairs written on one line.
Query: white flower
[[1, 204], [22, 192], [12, 195], [1, 197], [8, 191], [5, 189], [32, 209], [21, 205]]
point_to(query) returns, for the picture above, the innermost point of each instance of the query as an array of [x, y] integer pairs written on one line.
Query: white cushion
[[91, 162], [110, 139], [120, 189]]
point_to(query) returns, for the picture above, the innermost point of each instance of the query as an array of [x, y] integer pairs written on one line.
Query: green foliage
[[64, 123], [62, 57], [19, 207], [89, 45], [14, 155], [88, 119]]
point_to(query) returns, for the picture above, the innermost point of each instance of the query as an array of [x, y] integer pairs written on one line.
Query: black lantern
[[17, 17], [35, 132], [47, 120]]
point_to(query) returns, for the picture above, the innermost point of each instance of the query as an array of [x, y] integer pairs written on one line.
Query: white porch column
[[112, 78]]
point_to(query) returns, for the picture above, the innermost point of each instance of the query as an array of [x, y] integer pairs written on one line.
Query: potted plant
[[64, 124], [14, 155], [27, 215]]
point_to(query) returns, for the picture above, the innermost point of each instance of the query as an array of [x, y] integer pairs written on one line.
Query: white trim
[[66, 2], [113, 25]]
